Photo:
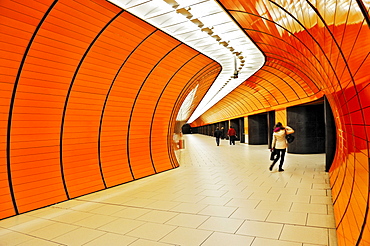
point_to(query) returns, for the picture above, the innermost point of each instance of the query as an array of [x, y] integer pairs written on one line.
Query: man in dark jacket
[[218, 134]]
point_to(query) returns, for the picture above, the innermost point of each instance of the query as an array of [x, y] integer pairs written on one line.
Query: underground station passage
[[102, 95]]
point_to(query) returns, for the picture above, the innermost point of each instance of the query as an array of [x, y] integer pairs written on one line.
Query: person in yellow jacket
[[279, 144]]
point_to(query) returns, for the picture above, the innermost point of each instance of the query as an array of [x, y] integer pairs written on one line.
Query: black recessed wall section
[[186, 129], [271, 124], [238, 125], [257, 129], [331, 135], [308, 122]]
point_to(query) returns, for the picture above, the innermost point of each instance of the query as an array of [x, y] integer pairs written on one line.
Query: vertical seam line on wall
[[156, 106], [68, 95], [132, 111], [10, 116], [106, 99], [102, 114], [137, 95]]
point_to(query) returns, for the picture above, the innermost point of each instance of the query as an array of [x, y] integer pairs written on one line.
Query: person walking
[[279, 144], [223, 133], [232, 135], [218, 135]]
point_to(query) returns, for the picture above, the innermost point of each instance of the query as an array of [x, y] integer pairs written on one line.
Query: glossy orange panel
[[89, 98]]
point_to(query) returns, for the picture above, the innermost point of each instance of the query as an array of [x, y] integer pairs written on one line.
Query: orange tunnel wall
[[89, 96], [325, 51]]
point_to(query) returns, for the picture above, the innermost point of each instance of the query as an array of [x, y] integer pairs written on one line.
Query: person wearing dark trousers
[[279, 144], [232, 135], [218, 135]]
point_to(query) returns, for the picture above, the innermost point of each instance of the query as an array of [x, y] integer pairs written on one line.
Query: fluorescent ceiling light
[[184, 20]]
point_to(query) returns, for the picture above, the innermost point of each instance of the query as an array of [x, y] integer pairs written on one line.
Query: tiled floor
[[219, 196]]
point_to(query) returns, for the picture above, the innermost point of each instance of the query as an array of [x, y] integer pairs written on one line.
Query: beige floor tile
[[287, 191], [163, 205], [274, 205], [264, 196], [78, 237], [220, 201], [272, 242], [287, 217], [321, 220], [32, 225], [10, 238], [260, 229], [223, 239], [72, 216], [121, 226], [118, 199], [309, 208], [54, 229], [321, 200], [157, 216], [189, 208], [311, 192], [16, 220], [131, 213], [107, 209], [151, 231], [244, 203], [333, 237], [221, 224], [145, 242], [295, 198], [215, 193], [187, 220], [95, 221], [165, 196], [186, 236], [37, 242], [305, 234], [189, 198], [111, 239], [250, 214], [138, 202], [86, 206], [244, 194], [220, 211], [46, 213], [300, 186]]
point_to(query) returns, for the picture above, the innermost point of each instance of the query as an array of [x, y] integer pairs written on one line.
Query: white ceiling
[[182, 18]]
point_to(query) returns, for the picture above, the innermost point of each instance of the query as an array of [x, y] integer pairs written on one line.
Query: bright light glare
[[164, 17]]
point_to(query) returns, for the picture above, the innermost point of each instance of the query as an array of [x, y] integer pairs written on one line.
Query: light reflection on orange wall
[[323, 52]]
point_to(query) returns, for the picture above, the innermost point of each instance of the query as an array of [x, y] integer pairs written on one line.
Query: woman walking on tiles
[[279, 144]]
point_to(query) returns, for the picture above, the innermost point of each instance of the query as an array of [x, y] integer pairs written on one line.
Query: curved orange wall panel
[[89, 99], [323, 52]]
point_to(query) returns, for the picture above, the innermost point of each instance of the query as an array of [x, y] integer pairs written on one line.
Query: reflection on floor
[[220, 195]]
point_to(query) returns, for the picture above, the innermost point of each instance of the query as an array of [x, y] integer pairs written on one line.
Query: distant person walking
[[223, 132], [218, 135], [279, 144], [232, 135]]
